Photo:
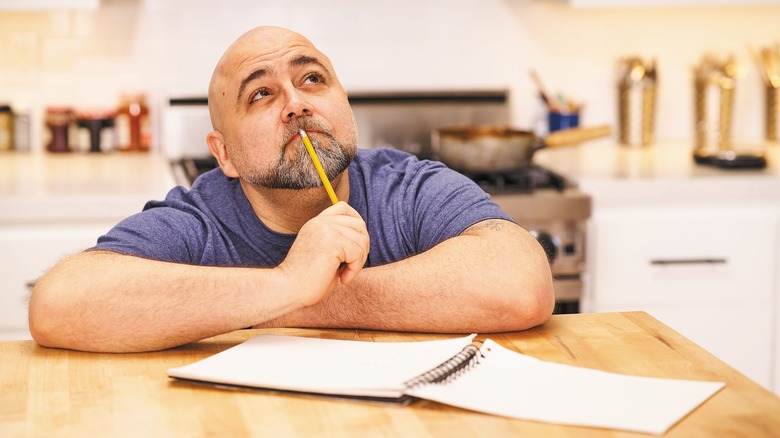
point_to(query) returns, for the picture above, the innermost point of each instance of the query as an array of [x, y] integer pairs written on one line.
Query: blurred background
[[85, 53]]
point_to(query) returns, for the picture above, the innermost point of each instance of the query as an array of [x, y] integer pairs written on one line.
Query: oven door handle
[[701, 261]]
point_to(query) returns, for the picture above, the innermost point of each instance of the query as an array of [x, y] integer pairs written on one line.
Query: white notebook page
[[515, 385], [324, 366]]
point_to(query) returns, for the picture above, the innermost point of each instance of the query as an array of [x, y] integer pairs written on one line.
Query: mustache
[[307, 124]]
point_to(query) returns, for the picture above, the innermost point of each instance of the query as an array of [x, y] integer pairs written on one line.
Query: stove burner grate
[[524, 180]]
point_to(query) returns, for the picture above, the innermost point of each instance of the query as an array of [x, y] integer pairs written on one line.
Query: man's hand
[[330, 247]]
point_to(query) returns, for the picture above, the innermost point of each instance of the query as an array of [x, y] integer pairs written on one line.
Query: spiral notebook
[[483, 377]]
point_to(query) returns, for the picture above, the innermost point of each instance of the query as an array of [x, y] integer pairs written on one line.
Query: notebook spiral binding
[[450, 369]]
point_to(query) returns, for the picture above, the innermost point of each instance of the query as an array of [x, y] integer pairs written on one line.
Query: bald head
[[269, 84], [234, 69]]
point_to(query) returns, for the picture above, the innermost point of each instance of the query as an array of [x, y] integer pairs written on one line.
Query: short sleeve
[[443, 203], [162, 232]]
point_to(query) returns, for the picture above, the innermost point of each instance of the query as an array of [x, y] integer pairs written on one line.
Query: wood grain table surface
[[50, 392]]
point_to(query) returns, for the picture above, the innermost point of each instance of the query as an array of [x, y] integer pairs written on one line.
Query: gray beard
[[299, 173]]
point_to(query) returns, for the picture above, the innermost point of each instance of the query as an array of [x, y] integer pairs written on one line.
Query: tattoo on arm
[[491, 225]]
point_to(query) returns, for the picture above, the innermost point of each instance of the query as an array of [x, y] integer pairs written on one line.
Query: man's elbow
[[537, 302], [528, 302], [41, 326], [45, 315]]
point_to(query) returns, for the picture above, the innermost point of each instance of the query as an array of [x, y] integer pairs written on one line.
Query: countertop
[[42, 186], [664, 171], [51, 392]]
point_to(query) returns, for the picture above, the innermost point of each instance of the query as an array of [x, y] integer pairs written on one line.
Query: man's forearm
[[101, 301], [486, 280]]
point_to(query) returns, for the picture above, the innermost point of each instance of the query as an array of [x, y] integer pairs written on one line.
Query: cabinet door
[[776, 373], [682, 256], [26, 252], [707, 272]]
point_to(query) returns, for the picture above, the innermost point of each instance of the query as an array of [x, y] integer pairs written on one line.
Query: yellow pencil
[[318, 166]]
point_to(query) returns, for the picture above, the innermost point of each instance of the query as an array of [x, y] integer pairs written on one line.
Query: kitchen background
[[639, 229], [87, 57]]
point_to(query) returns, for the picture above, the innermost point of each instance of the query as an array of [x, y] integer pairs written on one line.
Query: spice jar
[[21, 130], [133, 129], [58, 121], [6, 128], [95, 131]]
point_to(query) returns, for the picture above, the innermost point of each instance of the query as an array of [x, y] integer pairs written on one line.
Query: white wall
[[86, 58]]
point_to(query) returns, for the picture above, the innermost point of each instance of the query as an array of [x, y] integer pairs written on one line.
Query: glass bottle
[[133, 128]]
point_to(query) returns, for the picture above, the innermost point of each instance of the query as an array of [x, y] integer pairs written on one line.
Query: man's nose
[[297, 106]]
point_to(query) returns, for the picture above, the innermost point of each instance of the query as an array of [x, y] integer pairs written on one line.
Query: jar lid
[[59, 110], [5, 108], [135, 96], [95, 114]]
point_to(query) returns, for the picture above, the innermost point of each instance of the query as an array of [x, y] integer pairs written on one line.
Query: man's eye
[[314, 78], [259, 94]]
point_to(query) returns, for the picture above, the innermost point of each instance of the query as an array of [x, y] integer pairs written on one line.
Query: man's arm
[[104, 301], [493, 277]]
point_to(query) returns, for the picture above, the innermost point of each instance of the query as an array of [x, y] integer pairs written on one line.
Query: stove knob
[[549, 243]]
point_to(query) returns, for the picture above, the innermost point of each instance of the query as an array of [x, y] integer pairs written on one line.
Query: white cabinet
[[27, 252], [776, 328], [696, 246], [706, 270], [53, 205]]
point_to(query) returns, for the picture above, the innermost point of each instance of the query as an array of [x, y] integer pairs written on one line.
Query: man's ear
[[218, 149]]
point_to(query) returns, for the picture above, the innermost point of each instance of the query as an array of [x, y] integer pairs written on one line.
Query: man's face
[[271, 86]]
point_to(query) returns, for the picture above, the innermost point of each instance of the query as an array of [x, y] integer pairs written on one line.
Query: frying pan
[[500, 149]]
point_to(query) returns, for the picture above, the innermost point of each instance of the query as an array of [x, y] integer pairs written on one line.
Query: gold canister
[[714, 86], [771, 113], [768, 60], [636, 101]]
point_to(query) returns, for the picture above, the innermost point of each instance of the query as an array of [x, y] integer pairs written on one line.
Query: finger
[[334, 219], [342, 208], [348, 271], [356, 248], [358, 237]]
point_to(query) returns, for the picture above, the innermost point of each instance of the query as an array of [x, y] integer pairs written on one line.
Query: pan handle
[[576, 135]]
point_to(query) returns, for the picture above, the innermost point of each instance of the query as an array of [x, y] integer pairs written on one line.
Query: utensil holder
[[558, 120], [771, 113], [636, 114], [714, 102]]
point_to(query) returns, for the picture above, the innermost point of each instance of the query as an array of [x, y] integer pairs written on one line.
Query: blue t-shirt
[[408, 205]]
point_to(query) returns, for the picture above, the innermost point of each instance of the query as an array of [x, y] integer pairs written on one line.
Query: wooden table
[[49, 392]]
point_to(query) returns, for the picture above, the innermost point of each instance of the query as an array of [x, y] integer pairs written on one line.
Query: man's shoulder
[[391, 160], [213, 179], [383, 155], [210, 191]]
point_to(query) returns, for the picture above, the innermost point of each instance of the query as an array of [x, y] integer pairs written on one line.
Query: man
[[412, 246]]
